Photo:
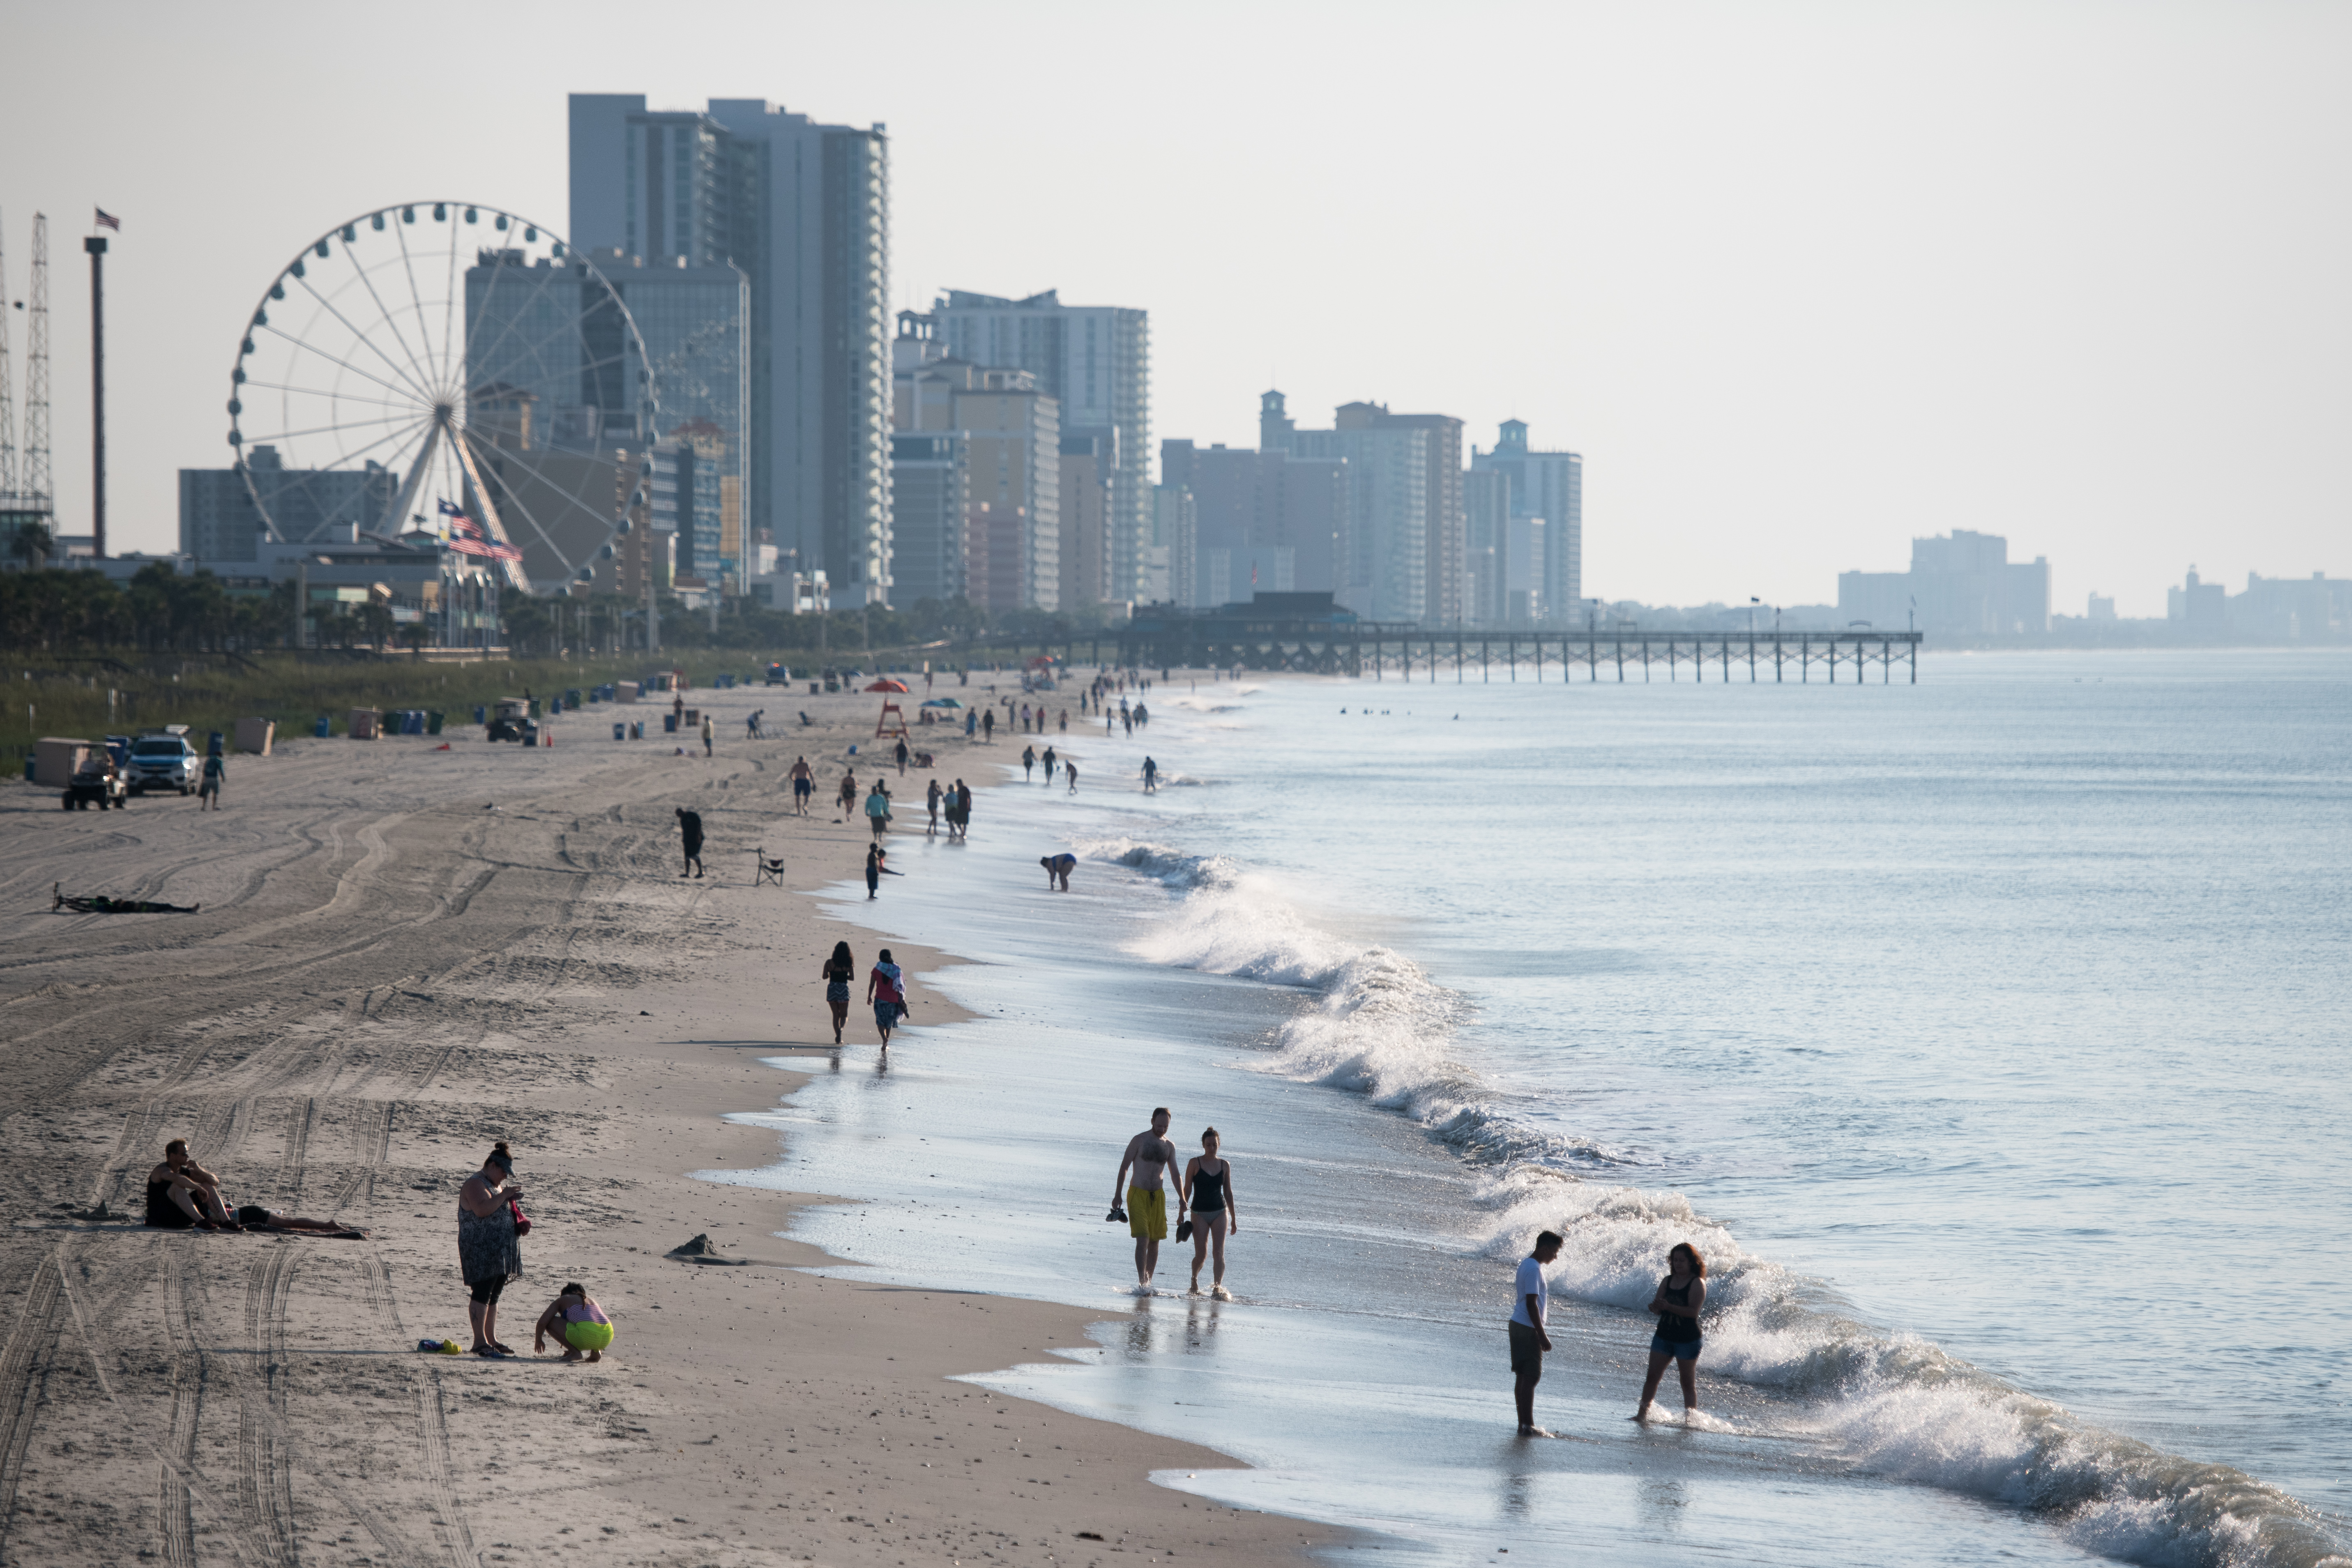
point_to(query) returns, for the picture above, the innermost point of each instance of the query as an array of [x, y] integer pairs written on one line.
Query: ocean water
[[1987, 1035]]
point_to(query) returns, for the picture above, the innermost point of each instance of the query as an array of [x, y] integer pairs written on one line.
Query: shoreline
[[398, 962]]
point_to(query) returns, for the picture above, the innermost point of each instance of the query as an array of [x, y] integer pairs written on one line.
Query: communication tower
[[35, 497], [7, 397]]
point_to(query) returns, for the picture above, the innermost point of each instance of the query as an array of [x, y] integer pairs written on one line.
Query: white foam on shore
[[1896, 1404]]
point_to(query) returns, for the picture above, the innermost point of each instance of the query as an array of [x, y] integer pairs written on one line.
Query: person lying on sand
[[253, 1217], [180, 1193], [575, 1319]]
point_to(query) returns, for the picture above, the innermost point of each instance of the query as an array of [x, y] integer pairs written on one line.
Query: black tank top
[[1209, 1189], [1677, 1328]]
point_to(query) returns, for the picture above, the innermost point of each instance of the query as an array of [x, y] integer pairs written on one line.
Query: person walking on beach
[[209, 792], [1207, 1194], [839, 973], [1530, 1339], [1676, 1301], [489, 1248], [709, 733], [1029, 761], [689, 832], [1051, 761], [902, 756], [886, 987], [931, 799], [848, 804], [873, 871], [1059, 868], [1066, 720], [803, 785], [1150, 1154], [961, 820], [1150, 776], [877, 809], [1072, 770], [988, 727]]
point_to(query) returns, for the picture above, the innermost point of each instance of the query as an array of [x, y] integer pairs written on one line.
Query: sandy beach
[[404, 955]]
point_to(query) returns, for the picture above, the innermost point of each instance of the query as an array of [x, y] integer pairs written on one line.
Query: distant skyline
[[1800, 281]]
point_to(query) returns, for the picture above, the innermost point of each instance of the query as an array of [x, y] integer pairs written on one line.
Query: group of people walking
[[886, 991]]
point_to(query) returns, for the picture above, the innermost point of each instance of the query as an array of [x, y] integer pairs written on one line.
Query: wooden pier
[[1392, 652]]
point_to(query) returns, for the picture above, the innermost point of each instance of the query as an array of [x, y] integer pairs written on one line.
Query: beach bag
[[522, 1220]]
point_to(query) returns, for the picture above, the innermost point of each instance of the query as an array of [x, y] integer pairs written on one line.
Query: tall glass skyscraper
[[804, 210]]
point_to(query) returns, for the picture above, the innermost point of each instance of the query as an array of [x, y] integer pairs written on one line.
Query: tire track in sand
[[265, 1469], [175, 1507], [23, 1366]]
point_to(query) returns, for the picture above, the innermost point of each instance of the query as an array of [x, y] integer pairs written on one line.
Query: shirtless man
[[180, 1193], [803, 785], [1147, 1197]]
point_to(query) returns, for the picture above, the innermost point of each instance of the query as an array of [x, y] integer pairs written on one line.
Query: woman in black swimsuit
[[1677, 1300], [1207, 1191], [838, 972]]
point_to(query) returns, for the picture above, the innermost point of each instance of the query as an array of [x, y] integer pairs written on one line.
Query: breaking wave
[[1894, 1405]]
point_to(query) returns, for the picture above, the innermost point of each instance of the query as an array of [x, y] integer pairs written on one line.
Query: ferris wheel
[[450, 368]]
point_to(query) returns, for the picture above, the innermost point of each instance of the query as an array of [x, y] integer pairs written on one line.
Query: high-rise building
[[804, 210], [931, 505], [1095, 361], [218, 521], [1399, 551], [1549, 486], [1090, 464], [546, 364]]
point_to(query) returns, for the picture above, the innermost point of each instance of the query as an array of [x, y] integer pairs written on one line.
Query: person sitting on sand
[[180, 1193], [1057, 869], [575, 1319]]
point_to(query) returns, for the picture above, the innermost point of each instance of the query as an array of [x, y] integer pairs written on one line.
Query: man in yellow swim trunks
[[1151, 1154]]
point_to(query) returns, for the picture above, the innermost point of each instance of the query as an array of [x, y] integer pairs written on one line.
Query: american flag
[[466, 537], [107, 220]]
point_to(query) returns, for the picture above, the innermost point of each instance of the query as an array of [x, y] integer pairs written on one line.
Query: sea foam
[[1894, 1405]]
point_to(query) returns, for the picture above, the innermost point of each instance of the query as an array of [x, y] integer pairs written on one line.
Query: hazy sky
[[1800, 281]]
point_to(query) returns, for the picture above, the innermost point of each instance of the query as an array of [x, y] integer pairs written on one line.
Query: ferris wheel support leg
[[416, 480], [514, 573]]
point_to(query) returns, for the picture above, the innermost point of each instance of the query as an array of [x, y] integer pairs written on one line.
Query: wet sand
[[405, 955]]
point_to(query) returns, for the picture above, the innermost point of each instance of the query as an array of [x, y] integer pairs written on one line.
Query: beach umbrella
[[887, 684], [942, 703]]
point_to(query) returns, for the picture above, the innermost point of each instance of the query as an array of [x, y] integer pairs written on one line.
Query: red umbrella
[[887, 684]]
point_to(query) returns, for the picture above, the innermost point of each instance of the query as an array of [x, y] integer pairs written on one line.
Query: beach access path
[[403, 955]]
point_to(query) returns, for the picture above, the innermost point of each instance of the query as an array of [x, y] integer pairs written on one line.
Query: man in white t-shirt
[[1529, 1295]]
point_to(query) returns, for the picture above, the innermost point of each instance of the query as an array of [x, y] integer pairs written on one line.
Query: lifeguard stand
[[882, 726]]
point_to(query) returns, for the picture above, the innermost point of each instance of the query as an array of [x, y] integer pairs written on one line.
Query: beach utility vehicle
[[98, 781], [163, 761], [511, 721]]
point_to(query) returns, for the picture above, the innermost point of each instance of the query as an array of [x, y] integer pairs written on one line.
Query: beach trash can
[[571, 697], [669, 723], [481, 714], [32, 770], [323, 728], [620, 731], [213, 743], [638, 731], [433, 718], [254, 735]]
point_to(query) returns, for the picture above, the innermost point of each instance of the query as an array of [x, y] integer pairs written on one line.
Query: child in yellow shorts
[[575, 1317]]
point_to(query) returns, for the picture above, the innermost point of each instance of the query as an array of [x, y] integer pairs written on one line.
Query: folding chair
[[767, 870]]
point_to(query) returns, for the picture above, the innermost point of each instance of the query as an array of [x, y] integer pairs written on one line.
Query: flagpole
[[96, 246]]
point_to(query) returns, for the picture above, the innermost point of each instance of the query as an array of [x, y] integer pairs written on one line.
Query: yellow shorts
[[1147, 1213]]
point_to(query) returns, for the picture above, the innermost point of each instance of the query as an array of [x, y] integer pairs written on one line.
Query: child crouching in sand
[[576, 1319]]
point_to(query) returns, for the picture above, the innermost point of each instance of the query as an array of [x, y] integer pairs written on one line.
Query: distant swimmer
[[1059, 868], [1208, 1193], [1150, 776], [1677, 1300], [1530, 1339], [1150, 1154]]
